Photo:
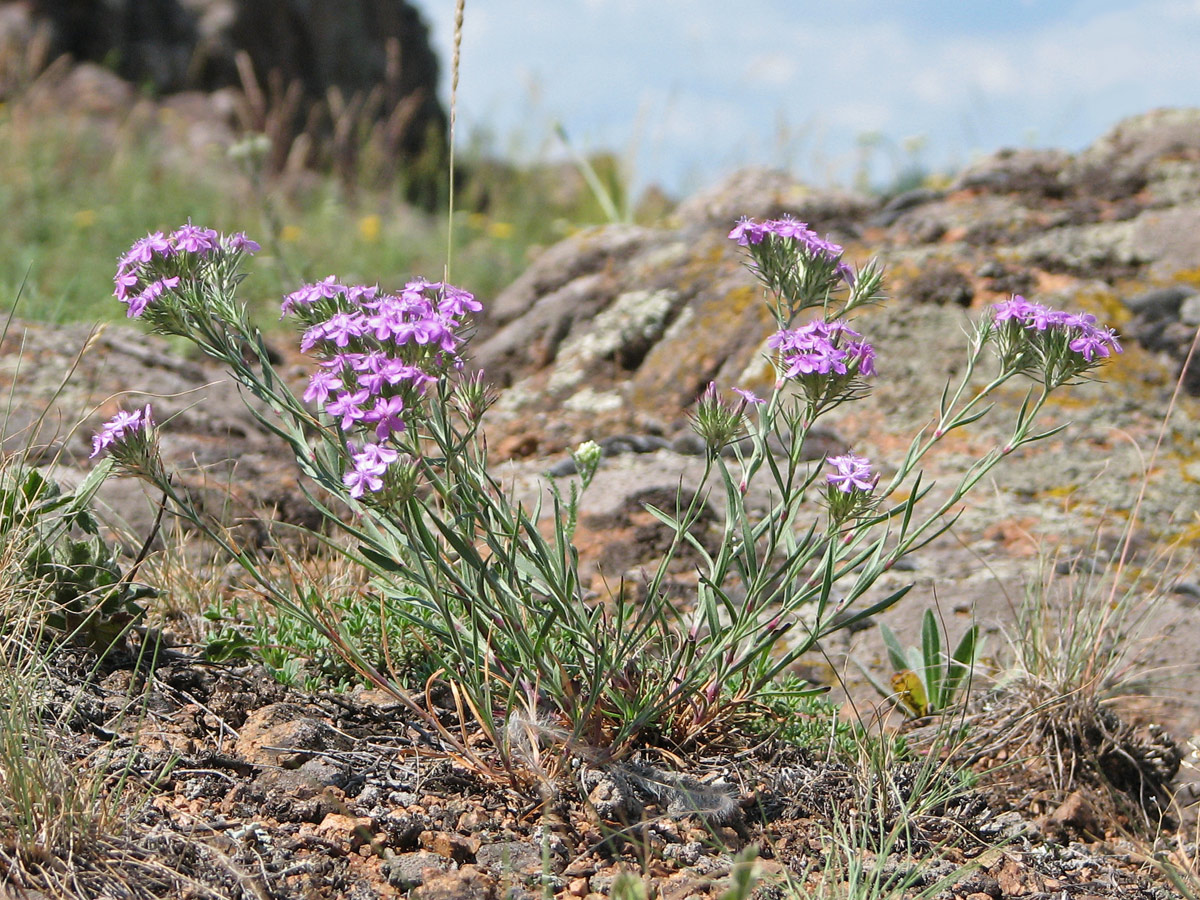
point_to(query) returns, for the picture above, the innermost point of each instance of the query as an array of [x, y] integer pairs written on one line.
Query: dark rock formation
[[356, 47]]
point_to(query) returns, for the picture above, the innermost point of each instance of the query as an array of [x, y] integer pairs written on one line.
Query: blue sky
[[688, 90]]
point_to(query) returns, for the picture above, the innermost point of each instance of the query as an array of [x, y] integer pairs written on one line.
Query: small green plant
[[927, 681], [58, 813], [54, 541], [391, 426], [299, 654], [789, 711]]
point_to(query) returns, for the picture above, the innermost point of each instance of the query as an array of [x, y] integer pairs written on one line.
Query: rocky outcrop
[[371, 57], [621, 327], [612, 334], [177, 45], [61, 382]]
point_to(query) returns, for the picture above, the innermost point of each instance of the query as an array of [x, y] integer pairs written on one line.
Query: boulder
[[352, 46]]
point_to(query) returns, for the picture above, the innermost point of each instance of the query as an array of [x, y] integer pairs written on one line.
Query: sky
[[687, 91]]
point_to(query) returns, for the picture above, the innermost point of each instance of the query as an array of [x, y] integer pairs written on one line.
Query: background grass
[[75, 190]]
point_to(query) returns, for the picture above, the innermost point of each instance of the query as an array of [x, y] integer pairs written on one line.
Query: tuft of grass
[[908, 815], [1082, 633]]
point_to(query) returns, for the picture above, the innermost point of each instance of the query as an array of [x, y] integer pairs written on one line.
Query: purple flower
[[1016, 308], [239, 243], [388, 320], [143, 250], [361, 293], [373, 458], [362, 480], [124, 281], [120, 427], [340, 328], [787, 227], [746, 232], [396, 371], [1043, 317], [822, 246], [320, 384], [152, 292], [347, 406], [851, 473], [339, 361], [387, 414], [864, 353], [1093, 342], [1084, 336], [749, 396], [326, 289], [194, 239], [813, 349], [457, 302]]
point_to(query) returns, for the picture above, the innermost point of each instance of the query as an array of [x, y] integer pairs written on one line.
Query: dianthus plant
[[389, 424]]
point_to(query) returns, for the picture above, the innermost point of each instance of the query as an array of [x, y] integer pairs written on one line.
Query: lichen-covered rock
[[622, 327], [62, 382]]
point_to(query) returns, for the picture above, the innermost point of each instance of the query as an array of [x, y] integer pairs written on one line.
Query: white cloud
[[713, 84]]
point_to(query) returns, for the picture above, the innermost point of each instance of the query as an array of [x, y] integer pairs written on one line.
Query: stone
[[184, 44], [406, 871], [370, 58], [1023, 170], [1160, 303], [283, 735], [468, 883], [1189, 311], [353, 831], [522, 857], [451, 846], [1075, 817]]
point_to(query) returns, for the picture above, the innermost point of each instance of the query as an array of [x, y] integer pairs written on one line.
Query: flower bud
[[587, 460]]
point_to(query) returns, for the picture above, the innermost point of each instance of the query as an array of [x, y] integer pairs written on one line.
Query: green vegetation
[[77, 188], [440, 581]]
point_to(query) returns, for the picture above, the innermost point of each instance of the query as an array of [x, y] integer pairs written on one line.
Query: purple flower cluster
[[370, 465], [1085, 337], [144, 273], [121, 427], [749, 233], [851, 473], [379, 353], [823, 348]]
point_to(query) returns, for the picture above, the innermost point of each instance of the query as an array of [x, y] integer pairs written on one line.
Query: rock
[[452, 846], [283, 735], [613, 797], [410, 870], [187, 44], [767, 193], [222, 456], [1139, 152], [1075, 817], [521, 857], [1111, 248], [1189, 311], [468, 883], [372, 56], [1016, 171], [895, 207], [1160, 303], [352, 831], [1168, 239]]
